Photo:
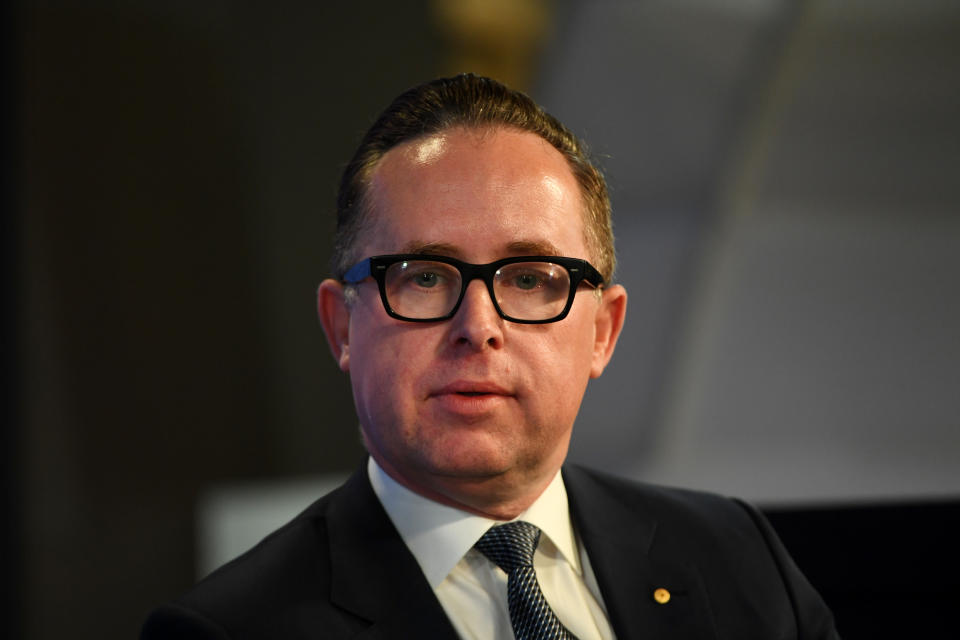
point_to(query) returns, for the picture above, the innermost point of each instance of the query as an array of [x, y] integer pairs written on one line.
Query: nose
[[477, 323]]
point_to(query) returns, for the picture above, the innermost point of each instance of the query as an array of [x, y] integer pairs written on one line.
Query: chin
[[473, 465]]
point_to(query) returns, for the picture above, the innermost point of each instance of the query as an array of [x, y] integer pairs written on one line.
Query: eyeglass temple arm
[[590, 275], [358, 272]]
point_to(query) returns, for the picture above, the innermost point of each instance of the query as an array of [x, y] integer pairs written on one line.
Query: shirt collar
[[439, 535]]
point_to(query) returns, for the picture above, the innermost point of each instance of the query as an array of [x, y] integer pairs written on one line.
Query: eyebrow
[[533, 248], [434, 248], [516, 248]]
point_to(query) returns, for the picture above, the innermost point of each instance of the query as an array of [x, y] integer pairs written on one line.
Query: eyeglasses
[[525, 289]]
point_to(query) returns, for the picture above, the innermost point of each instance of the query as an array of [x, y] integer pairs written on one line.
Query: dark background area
[[887, 570], [169, 179], [178, 163]]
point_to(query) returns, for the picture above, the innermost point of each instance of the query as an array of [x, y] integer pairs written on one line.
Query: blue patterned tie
[[511, 547]]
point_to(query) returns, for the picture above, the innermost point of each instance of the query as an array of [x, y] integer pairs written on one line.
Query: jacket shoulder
[[736, 552], [282, 580], [701, 510]]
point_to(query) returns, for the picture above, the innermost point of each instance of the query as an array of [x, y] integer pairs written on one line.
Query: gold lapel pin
[[661, 595]]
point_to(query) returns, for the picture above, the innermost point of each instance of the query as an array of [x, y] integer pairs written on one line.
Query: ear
[[609, 322], [335, 320]]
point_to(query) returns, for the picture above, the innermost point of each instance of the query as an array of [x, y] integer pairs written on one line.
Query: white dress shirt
[[471, 588]]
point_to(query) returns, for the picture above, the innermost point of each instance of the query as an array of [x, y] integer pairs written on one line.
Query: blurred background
[[786, 182]]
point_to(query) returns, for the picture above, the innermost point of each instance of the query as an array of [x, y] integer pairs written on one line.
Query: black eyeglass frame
[[376, 267]]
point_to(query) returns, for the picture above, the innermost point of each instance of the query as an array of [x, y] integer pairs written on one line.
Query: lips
[[472, 389], [470, 399]]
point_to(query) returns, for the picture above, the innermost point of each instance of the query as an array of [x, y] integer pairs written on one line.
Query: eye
[[526, 281], [426, 279]]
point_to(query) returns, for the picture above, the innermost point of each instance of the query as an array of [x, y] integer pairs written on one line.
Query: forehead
[[479, 191]]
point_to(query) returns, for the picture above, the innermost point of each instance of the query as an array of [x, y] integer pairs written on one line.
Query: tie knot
[[510, 545]]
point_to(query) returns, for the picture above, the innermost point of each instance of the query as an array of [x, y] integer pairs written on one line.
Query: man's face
[[475, 403]]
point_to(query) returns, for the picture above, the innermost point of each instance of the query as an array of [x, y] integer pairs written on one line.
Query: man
[[472, 304]]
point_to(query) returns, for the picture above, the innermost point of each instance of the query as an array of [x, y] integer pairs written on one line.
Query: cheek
[[559, 373], [384, 372], [579, 362]]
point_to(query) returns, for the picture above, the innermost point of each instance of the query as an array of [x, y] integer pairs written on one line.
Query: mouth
[[471, 399], [469, 389]]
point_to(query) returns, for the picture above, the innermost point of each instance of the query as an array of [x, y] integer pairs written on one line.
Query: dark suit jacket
[[341, 570]]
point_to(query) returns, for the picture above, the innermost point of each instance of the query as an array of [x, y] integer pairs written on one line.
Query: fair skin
[[475, 412]]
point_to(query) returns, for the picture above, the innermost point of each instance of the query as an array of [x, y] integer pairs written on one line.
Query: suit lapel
[[373, 574], [632, 556]]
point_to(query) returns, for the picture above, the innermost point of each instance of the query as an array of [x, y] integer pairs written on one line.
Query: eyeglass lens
[[424, 289]]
